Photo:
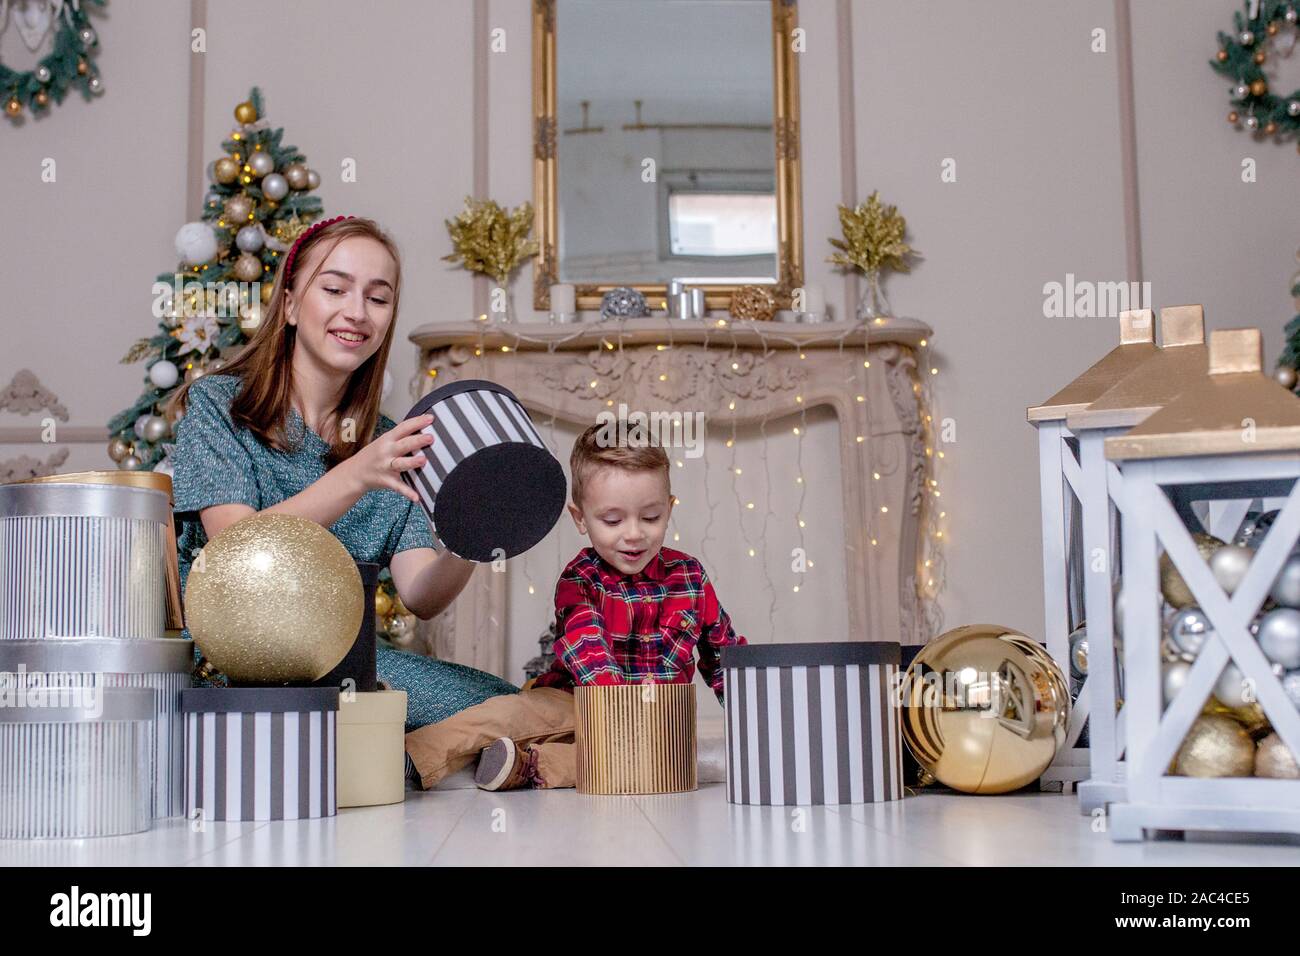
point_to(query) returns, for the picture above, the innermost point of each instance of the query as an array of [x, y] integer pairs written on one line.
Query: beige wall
[[1010, 90]]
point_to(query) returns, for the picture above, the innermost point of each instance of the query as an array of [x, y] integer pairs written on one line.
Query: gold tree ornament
[[874, 240], [490, 240]]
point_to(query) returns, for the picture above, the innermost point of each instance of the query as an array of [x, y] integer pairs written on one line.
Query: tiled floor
[[474, 827]]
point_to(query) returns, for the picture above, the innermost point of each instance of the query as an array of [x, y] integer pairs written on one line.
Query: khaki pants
[[539, 720]]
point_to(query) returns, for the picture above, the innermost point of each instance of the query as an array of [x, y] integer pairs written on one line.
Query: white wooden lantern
[[1179, 363], [1060, 491], [1235, 438]]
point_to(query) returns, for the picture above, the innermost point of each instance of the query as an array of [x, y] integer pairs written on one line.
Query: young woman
[[292, 426]]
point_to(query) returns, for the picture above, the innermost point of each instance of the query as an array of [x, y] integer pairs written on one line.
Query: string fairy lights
[[930, 565]]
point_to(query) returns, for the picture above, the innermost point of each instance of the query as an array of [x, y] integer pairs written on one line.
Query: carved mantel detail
[[742, 373]]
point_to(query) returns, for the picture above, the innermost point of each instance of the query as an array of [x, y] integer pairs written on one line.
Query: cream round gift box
[[161, 664], [812, 723], [260, 753], [372, 749], [635, 738], [83, 560], [489, 485], [76, 762]]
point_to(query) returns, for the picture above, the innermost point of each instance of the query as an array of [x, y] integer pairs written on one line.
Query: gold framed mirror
[[669, 132]]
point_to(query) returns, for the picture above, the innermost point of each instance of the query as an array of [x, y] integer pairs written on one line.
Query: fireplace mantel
[[733, 372]]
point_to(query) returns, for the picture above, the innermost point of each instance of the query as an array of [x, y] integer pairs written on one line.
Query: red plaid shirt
[[614, 628]]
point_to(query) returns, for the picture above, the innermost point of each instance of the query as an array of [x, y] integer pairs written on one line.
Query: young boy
[[628, 610]]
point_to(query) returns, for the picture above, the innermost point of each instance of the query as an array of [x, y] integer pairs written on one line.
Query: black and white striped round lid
[[489, 485]]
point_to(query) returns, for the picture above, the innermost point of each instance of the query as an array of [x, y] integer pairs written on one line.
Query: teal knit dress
[[216, 462]]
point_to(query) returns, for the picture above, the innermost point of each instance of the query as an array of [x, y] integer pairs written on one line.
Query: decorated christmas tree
[[259, 201], [1289, 361]]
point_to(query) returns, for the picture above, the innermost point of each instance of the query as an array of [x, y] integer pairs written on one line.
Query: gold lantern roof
[[1136, 345], [1235, 410], [1178, 364]]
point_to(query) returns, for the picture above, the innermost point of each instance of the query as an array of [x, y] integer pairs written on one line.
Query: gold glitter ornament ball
[[1172, 585], [274, 598], [1216, 746]]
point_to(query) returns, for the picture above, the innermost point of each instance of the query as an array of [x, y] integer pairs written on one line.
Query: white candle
[[563, 299], [814, 299]]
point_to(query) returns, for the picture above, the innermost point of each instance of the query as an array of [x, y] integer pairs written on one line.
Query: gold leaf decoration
[[873, 238], [141, 348], [488, 239]]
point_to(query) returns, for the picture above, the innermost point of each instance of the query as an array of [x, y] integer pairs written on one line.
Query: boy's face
[[625, 514]]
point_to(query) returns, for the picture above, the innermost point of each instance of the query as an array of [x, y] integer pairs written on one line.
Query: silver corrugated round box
[[75, 762], [83, 560], [162, 665]]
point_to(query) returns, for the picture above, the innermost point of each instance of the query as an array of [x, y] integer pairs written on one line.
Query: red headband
[[293, 250]]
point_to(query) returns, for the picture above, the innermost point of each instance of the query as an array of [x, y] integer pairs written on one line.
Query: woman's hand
[[380, 463]]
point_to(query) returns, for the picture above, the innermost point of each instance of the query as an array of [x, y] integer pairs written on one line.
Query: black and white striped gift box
[[490, 486], [812, 723], [261, 753]]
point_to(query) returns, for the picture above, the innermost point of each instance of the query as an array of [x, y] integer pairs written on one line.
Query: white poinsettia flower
[[198, 333]]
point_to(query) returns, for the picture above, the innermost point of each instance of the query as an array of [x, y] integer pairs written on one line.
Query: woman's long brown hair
[[265, 365]]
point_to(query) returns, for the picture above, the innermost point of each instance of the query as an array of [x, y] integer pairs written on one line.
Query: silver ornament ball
[[129, 463], [1246, 37], [1174, 678], [164, 374], [43, 74], [1293, 108], [1241, 91], [1252, 122], [313, 179], [1286, 586], [1229, 565], [249, 239], [1291, 687], [275, 187], [1231, 688], [87, 35], [1290, 15], [1279, 636], [261, 163], [1188, 630], [1285, 375], [1079, 652]]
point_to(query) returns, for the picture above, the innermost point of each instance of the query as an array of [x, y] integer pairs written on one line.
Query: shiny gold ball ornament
[[245, 113], [296, 175], [1258, 88], [985, 709], [248, 267], [238, 208], [118, 449], [1274, 759], [754, 303], [1216, 746], [42, 98], [1222, 56], [225, 170], [265, 293], [1172, 585], [383, 603], [13, 106], [274, 598]]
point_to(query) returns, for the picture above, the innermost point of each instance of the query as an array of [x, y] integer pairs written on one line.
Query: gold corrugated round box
[[635, 738]]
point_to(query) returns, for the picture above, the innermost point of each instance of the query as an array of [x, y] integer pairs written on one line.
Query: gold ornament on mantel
[[874, 240], [274, 598], [490, 240], [753, 302]]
